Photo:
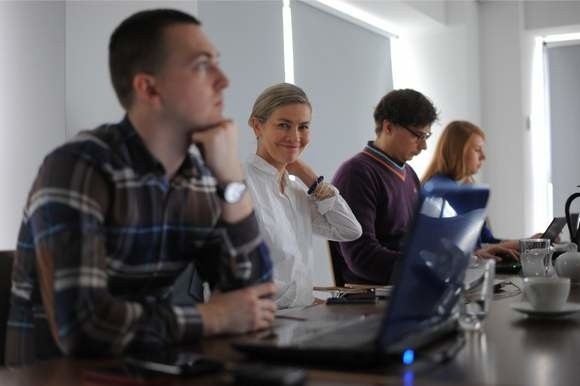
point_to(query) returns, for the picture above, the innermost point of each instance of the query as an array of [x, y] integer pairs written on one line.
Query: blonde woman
[[289, 210], [458, 157]]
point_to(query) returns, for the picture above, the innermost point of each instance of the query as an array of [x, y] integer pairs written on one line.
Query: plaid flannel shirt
[[104, 236]]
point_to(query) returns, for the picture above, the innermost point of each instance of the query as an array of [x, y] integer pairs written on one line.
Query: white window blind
[[345, 69], [248, 35], [564, 91]]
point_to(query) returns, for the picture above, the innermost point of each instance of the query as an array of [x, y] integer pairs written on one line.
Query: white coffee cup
[[547, 293]]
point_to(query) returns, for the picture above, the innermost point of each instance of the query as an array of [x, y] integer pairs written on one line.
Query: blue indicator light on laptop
[[408, 357]]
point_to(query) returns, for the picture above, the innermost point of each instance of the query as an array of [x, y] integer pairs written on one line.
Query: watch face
[[234, 191]]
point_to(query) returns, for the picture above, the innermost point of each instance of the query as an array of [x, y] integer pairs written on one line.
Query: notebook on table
[[421, 307]]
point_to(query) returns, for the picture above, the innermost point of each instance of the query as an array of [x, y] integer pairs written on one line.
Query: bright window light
[[540, 141], [562, 37], [550, 213], [288, 42], [361, 15]]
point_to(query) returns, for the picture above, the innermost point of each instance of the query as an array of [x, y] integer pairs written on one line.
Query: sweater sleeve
[[487, 236]]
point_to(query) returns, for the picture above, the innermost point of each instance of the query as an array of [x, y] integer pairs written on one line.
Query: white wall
[[501, 25], [90, 99], [507, 33], [32, 118], [54, 82], [251, 66], [550, 14], [437, 10], [442, 62]]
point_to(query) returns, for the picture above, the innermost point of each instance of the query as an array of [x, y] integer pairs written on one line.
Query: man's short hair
[[137, 45], [405, 107]]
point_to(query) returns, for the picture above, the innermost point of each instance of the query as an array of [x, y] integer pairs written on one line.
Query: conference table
[[511, 349]]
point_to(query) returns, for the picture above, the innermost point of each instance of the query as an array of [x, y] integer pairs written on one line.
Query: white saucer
[[526, 308]]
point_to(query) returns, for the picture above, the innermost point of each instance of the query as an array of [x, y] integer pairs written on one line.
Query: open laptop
[[427, 288]]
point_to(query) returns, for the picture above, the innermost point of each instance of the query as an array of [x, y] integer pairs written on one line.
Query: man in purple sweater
[[382, 189]]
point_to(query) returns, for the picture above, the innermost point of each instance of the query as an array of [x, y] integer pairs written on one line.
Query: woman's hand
[[497, 252], [510, 244], [515, 244]]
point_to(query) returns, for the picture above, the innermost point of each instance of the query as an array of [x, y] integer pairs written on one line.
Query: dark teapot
[[572, 220]]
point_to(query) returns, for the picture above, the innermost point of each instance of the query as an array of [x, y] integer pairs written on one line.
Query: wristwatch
[[232, 192]]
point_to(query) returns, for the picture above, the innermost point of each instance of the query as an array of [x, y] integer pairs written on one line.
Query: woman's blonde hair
[[276, 96], [449, 159]]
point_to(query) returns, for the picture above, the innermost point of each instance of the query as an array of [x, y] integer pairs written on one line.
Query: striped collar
[[382, 158]]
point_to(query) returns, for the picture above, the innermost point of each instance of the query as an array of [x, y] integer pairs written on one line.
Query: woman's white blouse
[[288, 221]]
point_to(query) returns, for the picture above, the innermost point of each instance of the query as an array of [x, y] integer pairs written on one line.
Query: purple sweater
[[383, 197]]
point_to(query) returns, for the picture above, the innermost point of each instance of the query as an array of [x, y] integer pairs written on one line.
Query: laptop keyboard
[[362, 334], [355, 334]]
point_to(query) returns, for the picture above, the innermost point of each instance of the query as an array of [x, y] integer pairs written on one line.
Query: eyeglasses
[[419, 135]]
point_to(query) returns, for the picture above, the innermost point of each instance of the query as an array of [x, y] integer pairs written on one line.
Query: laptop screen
[[445, 232]]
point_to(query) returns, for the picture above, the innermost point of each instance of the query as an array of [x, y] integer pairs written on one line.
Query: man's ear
[[387, 127], [145, 89]]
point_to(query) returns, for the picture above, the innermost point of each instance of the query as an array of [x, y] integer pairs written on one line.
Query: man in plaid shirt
[[117, 213]]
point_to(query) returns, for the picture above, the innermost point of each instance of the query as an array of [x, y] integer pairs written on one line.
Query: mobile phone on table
[[122, 374], [174, 362], [355, 298], [554, 229]]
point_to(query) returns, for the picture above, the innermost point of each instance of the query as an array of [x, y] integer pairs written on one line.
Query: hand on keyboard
[[498, 253], [506, 262]]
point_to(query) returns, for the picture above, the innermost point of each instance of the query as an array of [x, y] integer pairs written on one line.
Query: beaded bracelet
[[312, 187]]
